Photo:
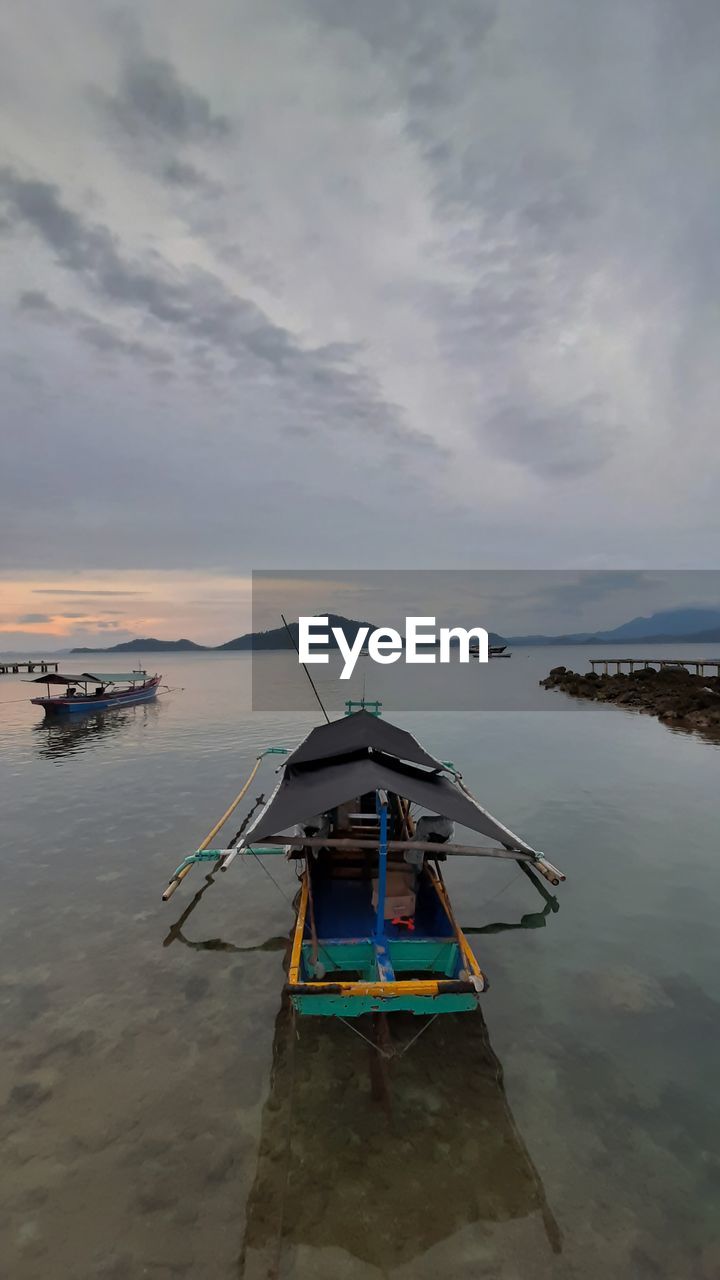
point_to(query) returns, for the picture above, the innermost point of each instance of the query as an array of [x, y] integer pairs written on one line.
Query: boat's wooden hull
[[429, 974]]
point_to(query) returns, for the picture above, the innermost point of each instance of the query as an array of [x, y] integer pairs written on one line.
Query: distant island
[[149, 646], [254, 641], [670, 626], [277, 638]]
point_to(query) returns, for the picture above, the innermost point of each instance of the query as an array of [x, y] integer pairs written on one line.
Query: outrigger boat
[[369, 815], [93, 692]]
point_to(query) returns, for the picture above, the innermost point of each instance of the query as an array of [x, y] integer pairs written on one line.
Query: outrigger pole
[[187, 865], [227, 854]]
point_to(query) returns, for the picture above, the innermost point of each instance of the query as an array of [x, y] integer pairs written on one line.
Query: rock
[[624, 990], [558, 671], [29, 1094], [196, 987], [155, 1199]]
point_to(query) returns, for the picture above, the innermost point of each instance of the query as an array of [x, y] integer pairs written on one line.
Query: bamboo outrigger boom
[[181, 874]]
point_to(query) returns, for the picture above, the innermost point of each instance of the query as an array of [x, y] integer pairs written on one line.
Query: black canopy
[[88, 677], [359, 734], [304, 793]]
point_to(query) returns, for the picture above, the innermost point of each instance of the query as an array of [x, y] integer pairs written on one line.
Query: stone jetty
[[677, 697]]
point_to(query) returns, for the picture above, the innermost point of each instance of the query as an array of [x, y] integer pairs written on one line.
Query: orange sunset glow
[[60, 612]]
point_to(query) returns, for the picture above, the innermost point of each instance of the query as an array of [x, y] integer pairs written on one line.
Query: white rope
[[499, 893], [394, 1053], [271, 877], [417, 1037], [382, 1052]]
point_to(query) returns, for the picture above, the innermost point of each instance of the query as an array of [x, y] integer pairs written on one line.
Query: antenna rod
[[307, 673]]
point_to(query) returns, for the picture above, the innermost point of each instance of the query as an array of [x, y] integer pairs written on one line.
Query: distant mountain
[[149, 646], [692, 625], [278, 637], [575, 637], [670, 622]]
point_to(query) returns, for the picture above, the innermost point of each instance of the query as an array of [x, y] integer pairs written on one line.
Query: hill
[[150, 646], [278, 637]]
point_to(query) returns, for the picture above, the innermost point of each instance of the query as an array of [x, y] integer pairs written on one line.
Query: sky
[[305, 284]]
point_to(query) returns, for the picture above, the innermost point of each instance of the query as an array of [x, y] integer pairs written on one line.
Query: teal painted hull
[[331, 1006], [429, 956]]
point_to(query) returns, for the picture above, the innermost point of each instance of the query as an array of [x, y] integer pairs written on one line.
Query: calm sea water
[[161, 1117]]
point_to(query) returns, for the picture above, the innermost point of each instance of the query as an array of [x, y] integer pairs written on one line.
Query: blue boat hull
[[75, 706]]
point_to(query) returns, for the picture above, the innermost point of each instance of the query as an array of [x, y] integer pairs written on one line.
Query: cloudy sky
[[323, 283]]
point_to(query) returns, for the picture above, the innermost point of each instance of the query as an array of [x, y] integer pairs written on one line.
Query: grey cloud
[[99, 335], [86, 248], [107, 339], [33, 617], [37, 302], [75, 591], [566, 442], [152, 98], [565, 151], [197, 305], [554, 180], [416, 32], [178, 173], [589, 587]]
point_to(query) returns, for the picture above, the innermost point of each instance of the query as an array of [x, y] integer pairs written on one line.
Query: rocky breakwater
[[677, 697]]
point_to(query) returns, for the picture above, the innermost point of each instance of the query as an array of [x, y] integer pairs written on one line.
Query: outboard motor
[[432, 828], [319, 826]]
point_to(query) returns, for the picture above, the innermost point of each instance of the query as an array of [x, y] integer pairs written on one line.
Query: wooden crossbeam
[[395, 846]]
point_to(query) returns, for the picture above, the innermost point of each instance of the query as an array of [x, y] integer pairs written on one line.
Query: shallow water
[[159, 1117]]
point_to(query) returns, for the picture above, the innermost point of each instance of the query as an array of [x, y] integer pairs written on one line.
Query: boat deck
[[348, 970], [343, 909]]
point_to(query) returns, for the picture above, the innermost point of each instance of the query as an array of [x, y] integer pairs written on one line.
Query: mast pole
[[381, 804], [307, 673]]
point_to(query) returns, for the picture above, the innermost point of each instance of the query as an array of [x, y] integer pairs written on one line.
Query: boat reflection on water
[[338, 1172], [60, 736]]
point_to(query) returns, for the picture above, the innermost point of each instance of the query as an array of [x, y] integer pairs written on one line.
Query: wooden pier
[[41, 665], [698, 664]]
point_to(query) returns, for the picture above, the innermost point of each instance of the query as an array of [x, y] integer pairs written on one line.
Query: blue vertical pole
[[381, 806]]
